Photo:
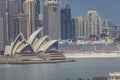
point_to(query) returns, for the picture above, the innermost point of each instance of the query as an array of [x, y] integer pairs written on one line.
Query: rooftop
[[114, 74]]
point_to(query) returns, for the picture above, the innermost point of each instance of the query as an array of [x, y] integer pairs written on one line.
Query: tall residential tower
[[37, 12], [79, 29], [51, 19], [92, 24], [29, 9]]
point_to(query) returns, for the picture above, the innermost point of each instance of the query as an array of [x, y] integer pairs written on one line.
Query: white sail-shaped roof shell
[[48, 45], [33, 37], [17, 42], [40, 42], [35, 42]]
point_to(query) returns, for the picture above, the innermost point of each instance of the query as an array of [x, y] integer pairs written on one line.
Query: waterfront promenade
[[34, 59]]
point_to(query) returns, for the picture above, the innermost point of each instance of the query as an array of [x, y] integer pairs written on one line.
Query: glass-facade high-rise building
[[51, 19], [12, 10], [17, 16], [66, 23], [2, 25], [73, 28], [2, 43], [37, 12], [92, 24], [20, 4], [17, 13]]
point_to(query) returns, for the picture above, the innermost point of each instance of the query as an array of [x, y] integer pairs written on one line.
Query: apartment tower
[[51, 19], [79, 29], [92, 24], [29, 9]]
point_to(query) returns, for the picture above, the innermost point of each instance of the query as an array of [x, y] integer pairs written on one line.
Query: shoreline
[[37, 62], [33, 59]]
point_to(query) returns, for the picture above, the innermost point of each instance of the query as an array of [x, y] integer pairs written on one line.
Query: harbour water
[[82, 68]]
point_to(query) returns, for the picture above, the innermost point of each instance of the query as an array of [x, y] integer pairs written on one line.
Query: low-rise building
[[99, 78], [114, 76]]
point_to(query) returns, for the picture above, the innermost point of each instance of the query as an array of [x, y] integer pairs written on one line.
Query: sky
[[107, 9]]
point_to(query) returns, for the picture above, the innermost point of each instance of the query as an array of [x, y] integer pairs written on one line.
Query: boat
[[97, 52], [92, 55]]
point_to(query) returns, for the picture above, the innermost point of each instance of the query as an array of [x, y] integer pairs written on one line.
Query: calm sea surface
[[82, 68]]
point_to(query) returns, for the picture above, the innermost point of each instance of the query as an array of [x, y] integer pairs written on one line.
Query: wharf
[[33, 59], [37, 62]]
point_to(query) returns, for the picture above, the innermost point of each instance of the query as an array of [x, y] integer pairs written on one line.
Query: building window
[[55, 9], [117, 78]]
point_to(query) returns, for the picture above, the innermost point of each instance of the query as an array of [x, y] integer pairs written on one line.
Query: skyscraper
[[20, 23], [66, 23], [92, 24], [2, 24], [2, 43], [51, 19], [20, 4], [37, 12], [29, 9], [79, 29], [12, 9], [37, 5], [73, 28]]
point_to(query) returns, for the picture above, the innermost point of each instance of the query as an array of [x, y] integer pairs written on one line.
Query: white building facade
[[79, 29], [92, 24], [114, 76], [29, 9]]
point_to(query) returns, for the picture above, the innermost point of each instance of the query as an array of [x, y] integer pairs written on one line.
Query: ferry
[[92, 55]]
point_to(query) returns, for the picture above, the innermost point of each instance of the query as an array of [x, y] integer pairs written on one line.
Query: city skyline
[[39, 37], [107, 9], [23, 16]]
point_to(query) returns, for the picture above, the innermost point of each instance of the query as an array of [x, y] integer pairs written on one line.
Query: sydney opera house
[[36, 49], [36, 43]]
